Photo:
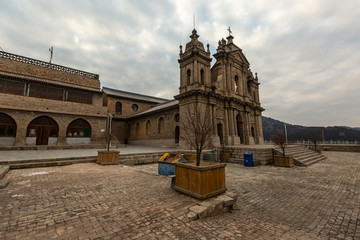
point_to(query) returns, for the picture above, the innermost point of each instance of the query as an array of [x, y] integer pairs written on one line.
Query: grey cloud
[[305, 52]]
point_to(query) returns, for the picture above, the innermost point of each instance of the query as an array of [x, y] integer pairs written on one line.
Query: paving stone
[[201, 211], [227, 201], [88, 201], [4, 183]]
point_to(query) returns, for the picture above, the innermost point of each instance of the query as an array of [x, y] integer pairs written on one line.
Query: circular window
[[134, 107]]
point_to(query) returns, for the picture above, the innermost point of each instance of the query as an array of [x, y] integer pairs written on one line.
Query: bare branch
[[197, 127]]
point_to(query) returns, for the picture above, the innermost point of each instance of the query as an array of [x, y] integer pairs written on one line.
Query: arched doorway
[[78, 132], [220, 133], [42, 131], [7, 130], [177, 134], [240, 128]]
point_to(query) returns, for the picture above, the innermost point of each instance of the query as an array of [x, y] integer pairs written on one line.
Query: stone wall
[[24, 117], [261, 156], [48, 72], [341, 147], [16, 102], [167, 134], [126, 106]]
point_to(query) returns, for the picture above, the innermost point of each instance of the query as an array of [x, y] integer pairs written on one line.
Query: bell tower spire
[[194, 65]]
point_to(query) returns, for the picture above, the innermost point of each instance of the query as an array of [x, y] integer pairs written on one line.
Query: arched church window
[[7, 126], [161, 125], [252, 131], [254, 96], [177, 117], [118, 108], [79, 128], [202, 77], [148, 127], [236, 83], [188, 75], [137, 128]]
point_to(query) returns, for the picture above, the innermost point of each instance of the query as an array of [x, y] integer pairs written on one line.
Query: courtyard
[[89, 201]]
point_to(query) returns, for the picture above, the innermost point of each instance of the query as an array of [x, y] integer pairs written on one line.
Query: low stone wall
[[144, 158], [341, 147], [137, 159], [261, 156], [155, 142]]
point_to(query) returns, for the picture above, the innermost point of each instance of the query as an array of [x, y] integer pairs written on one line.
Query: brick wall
[[23, 118], [261, 156], [51, 75], [126, 106]]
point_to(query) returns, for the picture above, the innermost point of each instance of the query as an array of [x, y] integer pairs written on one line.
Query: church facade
[[228, 90], [47, 104]]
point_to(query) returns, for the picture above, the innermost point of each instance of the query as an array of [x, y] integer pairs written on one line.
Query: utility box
[[248, 160], [166, 164]]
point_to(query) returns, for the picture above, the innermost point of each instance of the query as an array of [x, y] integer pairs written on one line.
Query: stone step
[[36, 164], [24, 161], [3, 170], [302, 156]]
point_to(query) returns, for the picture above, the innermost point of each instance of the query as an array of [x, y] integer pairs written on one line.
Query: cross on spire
[[229, 31]]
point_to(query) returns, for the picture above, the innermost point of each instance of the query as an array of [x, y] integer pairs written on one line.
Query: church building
[[47, 104], [228, 90]]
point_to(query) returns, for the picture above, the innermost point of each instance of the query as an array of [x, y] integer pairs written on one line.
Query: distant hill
[[296, 132]]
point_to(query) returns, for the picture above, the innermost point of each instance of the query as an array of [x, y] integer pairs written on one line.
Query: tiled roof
[[159, 107], [135, 96]]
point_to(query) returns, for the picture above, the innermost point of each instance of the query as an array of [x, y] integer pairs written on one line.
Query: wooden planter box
[[200, 182], [283, 161], [108, 157], [225, 156], [318, 151]]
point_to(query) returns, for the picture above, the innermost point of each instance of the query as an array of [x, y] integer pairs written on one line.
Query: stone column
[[247, 128], [236, 140], [215, 139], [261, 136]]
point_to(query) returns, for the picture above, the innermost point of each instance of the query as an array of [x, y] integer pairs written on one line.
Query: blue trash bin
[[248, 160]]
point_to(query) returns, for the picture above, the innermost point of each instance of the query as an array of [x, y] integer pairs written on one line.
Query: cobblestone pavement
[[89, 201]]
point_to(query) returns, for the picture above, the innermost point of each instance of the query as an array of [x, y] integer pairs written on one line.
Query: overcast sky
[[306, 53]]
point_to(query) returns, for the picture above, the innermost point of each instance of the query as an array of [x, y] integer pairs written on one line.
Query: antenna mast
[[51, 50]]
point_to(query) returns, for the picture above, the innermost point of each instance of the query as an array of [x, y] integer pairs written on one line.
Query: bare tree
[[196, 127], [315, 139], [108, 136], [280, 140]]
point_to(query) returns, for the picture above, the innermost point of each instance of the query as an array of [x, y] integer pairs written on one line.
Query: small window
[[134, 107], [118, 108], [202, 77], [12, 87], [79, 97], [236, 84], [161, 125], [7, 126], [137, 128], [188, 75], [148, 127], [177, 118]]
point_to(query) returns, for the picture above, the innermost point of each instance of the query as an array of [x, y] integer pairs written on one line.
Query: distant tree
[[315, 139], [280, 140], [196, 128]]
